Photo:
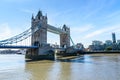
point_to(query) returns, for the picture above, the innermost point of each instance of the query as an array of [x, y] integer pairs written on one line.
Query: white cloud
[[82, 29], [114, 14], [28, 11], [5, 31], [78, 33], [62, 15], [94, 33], [15, 0], [103, 31], [94, 7], [91, 14], [53, 38]]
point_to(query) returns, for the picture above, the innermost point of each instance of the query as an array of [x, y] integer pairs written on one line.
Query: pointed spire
[[46, 16], [64, 26], [32, 16], [39, 14]]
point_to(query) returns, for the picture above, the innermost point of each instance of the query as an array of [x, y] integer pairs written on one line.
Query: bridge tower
[[65, 37], [39, 37], [39, 34]]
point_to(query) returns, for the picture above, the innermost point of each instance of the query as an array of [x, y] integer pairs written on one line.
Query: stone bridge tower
[[39, 29], [40, 36], [65, 37]]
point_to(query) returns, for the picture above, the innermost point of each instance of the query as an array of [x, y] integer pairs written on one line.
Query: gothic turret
[[39, 14], [46, 16], [32, 17]]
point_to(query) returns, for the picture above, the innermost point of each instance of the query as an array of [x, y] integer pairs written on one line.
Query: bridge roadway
[[18, 47], [27, 47]]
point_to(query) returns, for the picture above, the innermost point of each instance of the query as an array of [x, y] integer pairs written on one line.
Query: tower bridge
[[38, 34]]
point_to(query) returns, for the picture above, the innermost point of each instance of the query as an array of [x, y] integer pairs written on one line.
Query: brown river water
[[83, 67]]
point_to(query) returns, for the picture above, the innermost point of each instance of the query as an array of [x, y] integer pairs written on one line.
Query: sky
[[88, 19]]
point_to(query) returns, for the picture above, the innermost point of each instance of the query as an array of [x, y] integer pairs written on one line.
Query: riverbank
[[107, 52]]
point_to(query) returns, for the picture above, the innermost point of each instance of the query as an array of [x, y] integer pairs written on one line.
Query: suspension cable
[[20, 37]]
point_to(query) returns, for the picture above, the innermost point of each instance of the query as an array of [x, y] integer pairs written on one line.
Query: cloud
[[113, 14], [28, 11], [98, 32], [78, 33], [82, 29], [62, 15], [5, 31], [52, 40], [104, 30], [15, 0], [91, 13], [95, 7]]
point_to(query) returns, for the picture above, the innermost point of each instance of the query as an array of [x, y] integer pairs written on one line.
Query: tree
[[108, 48]]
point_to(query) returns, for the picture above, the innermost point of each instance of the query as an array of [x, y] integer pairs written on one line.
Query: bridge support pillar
[[32, 54]]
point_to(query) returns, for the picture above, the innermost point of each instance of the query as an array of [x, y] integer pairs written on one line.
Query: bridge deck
[[18, 47]]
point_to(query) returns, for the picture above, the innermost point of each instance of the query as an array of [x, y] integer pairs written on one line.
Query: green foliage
[[108, 48]]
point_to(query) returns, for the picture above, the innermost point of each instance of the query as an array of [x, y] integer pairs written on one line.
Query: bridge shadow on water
[[30, 60], [74, 59], [69, 59]]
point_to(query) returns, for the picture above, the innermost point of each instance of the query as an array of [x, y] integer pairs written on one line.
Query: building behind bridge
[[107, 45]]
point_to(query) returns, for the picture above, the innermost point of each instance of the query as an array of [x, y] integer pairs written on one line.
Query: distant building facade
[[80, 46], [108, 45], [118, 41], [113, 37], [96, 46], [108, 42]]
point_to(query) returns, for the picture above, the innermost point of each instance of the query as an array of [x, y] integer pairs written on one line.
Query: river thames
[[84, 67]]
